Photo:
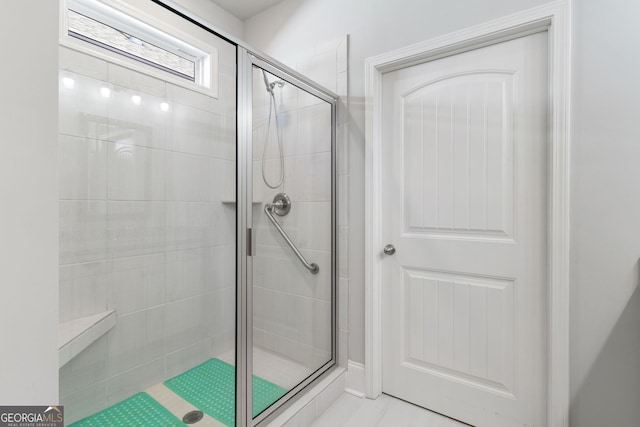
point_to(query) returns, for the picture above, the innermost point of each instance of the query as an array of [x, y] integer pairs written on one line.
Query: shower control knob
[[389, 249]]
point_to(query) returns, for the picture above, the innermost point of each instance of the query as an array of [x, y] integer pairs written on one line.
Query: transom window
[[103, 26]]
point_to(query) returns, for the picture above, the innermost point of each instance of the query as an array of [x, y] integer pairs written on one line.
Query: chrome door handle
[[389, 249]]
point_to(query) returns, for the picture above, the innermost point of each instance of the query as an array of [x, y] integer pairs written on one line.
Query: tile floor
[[385, 411]]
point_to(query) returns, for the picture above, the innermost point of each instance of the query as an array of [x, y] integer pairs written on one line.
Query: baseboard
[[355, 378]]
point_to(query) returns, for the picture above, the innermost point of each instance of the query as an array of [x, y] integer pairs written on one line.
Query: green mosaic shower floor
[[140, 410], [210, 387]]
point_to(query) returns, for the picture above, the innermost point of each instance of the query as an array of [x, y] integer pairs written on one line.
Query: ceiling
[[244, 9]]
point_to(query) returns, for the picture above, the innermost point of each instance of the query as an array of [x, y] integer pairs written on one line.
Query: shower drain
[[192, 417]]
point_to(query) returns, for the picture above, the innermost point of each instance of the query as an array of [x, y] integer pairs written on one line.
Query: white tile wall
[[310, 179], [188, 225], [122, 76], [224, 224], [136, 173], [342, 148], [220, 319], [84, 402], [223, 181], [143, 229], [192, 99], [275, 268], [221, 276], [142, 125], [260, 191], [88, 368], [343, 199], [82, 110], [225, 138], [314, 132], [137, 283], [136, 228], [83, 168], [190, 178], [138, 338], [187, 357], [83, 231], [83, 289], [185, 322], [191, 129], [127, 383], [343, 248], [85, 65]]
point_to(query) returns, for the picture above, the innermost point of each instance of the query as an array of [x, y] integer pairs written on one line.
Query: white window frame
[[148, 28]]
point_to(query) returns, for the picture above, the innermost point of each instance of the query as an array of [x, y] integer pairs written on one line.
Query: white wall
[[215, 15], [373, 27], [29, 212], [605, 204]]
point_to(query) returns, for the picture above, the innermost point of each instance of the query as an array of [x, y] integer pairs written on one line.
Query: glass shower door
[[147, 237], [293, 237]]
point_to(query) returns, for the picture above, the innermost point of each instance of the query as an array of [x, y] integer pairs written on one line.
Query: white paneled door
[[464, 203]]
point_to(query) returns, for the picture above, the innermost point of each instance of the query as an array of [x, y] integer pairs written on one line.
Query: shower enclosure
[[197, 223]]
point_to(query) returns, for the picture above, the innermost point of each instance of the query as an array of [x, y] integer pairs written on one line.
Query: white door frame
[[555, 19]]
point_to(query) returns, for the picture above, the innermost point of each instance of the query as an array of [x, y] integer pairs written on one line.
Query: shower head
[[270, 86], [279, 83]]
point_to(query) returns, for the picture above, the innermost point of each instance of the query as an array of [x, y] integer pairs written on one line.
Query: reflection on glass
[[291, 305], [145, 238]]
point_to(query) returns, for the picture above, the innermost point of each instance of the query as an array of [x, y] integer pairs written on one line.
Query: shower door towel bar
[[312, 267]]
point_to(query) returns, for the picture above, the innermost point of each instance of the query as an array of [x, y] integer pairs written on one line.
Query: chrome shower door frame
[[246, 60]]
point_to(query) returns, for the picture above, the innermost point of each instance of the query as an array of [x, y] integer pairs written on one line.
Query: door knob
[[389, 249]]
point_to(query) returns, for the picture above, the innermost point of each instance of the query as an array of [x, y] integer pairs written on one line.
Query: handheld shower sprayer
[[269, 86]]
